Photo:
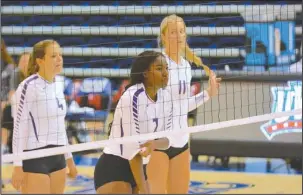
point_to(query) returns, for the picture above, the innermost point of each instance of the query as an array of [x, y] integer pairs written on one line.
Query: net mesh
[[100, 42]]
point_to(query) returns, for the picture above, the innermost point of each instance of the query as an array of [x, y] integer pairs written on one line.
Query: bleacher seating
[[132, 41], [71, 21], [102, 20], [13, 20], [101, 101], [41, 21]]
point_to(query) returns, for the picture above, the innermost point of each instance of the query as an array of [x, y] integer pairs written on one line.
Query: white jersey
[[137, 114], [39, 110], [179, 85]]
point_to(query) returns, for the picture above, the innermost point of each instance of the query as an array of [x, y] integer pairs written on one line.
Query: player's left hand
[[147, 148], [213, 84], [72, 168]]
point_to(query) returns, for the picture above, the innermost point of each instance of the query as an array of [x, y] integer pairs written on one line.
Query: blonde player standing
[[145, 107], [39, 110], [173, 174]]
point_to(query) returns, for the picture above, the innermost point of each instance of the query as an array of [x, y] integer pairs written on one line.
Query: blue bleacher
[[71, 21], [132, 21], [154, 20], [125, 62], [102, 21], [207, 20], [32, 40], [227, 42], [138, 2], [188, 2], [127, 3], [12, 20], [230, 20], [152, 3], [134, 41], [72, 42], [198, 21], [199, 42], [230, 61], [102, 62], [15, 41], [42, 21], [97, 62], [73, 61], [101, 41]]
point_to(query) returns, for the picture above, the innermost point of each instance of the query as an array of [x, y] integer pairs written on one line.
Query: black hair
[[141, 64]]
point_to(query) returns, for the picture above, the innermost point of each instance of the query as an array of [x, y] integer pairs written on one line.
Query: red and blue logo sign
[[285, 99]]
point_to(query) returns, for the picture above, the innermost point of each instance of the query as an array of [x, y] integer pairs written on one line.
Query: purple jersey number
[[59, 105], [156, 121], [182, 86]]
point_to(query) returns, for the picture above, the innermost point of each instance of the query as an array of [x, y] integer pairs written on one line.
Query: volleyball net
[[97, 56], [145, 137]]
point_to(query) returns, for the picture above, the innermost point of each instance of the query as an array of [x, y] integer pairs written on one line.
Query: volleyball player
[[144, 107], [39, 111], [173, 176], [16, 77]]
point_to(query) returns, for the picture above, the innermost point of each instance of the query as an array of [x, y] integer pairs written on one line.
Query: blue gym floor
[[243, 175]]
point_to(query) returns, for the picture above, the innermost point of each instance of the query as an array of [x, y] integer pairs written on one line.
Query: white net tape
[[7, 158]]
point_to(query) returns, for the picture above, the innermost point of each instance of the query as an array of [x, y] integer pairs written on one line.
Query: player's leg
[[136, 189], [115, 187], [36, 183], [157, 172], [40, 174], [57, 181], [37, 180], [134, 185], [179, 173], [112, 175], [58, 173]]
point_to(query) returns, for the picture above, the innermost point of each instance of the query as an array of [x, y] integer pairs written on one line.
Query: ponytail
[[190, 56], [32, 68]]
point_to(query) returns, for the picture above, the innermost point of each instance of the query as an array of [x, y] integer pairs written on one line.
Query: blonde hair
[[187, 53], [37, 53]]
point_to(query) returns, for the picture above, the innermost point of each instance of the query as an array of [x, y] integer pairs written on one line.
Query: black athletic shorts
[[44, 165], [173, 152], [110, 168]]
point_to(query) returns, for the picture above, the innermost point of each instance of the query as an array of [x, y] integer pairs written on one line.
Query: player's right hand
[[147, 148], [72, 168], [18, 178]]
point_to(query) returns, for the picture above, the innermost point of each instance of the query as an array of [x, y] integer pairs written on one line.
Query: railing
[[146, 10]]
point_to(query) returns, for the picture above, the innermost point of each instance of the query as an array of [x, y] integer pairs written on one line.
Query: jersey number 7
[[156, 121]]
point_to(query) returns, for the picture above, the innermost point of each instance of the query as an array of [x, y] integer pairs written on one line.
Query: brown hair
[[187, 53], [5, 55], [21, 75], [37, 53]]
